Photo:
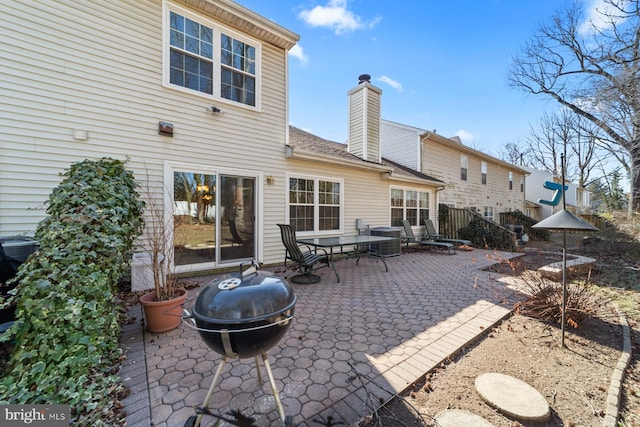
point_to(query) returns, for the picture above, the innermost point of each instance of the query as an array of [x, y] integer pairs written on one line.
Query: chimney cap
[[364, 78]]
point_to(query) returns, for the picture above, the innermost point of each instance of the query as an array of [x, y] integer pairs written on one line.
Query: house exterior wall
[[401, 144], [443, 162], [64, 80], [579, 198], [366, 194]]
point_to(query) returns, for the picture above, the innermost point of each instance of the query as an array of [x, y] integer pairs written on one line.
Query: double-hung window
[[483, 169], [410, 205], [464, 166], [510, 180], [203, 57], [315, 204]]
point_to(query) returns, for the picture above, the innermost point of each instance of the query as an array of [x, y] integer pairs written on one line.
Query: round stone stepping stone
[[459, 417], [513, 397]]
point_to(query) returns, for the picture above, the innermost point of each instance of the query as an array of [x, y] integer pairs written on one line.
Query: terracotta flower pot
[[163, 316]]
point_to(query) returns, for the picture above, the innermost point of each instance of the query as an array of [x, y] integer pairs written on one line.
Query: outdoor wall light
[[215, 109], [270, 180], [165, 128]]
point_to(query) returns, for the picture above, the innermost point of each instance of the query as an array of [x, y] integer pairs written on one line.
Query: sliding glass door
[[237, 196], [213, 218]]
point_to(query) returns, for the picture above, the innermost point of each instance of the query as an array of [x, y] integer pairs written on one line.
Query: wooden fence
[[452, 220]]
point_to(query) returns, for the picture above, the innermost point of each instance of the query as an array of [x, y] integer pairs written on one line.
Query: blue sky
[[441, 65]]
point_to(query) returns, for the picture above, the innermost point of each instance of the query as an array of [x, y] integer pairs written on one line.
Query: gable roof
[[305, 145]]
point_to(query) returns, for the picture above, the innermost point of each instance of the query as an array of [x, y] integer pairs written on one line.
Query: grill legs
[[216, 378], [273, 387], [274, 390]]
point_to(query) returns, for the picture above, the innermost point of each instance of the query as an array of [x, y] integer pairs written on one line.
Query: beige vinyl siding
[[68, 76], [443, 162], [373, 126], [366, 196], [401, 144], [356, 125]]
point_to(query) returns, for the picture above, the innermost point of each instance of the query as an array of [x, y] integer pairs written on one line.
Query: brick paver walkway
[[351, 344]]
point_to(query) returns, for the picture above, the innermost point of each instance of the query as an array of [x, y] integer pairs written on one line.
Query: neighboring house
[[474, 179], [578, 199], [194, 94]]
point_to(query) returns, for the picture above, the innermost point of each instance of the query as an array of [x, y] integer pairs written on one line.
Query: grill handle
[[188, 318]]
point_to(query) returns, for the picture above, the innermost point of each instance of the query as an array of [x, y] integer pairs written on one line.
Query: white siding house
[[190, 93], [473, 179], [577, 198]]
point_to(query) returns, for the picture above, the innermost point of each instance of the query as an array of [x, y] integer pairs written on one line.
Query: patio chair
[[409, 237], [306, 260], [433, 235]]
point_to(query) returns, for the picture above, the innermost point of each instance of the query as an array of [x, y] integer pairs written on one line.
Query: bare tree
[[592, 67], [546, 144], [514, 153]]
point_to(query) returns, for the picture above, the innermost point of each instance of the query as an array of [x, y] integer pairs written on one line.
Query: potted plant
[[163, 306]]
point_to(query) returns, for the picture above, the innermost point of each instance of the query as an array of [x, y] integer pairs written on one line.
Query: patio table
[[364, 245]]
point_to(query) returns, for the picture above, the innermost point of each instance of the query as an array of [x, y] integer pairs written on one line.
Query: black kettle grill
[[241, 315]]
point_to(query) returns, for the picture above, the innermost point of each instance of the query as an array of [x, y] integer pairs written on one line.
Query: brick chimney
[[364, 120]]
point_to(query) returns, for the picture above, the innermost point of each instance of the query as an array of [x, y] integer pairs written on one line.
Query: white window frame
[[464, 166], [483, 171], [316, 205], [510, 180], [217, 66], [404, 206]]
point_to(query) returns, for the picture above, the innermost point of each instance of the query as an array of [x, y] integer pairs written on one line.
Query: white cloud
[[465, 136], [388, 80], [336, 16], [599, 14], [297, 52]]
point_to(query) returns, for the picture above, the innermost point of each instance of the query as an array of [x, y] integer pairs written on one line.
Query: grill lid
[[244, 297]]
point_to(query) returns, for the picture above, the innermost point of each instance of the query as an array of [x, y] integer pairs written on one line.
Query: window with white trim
[[522, 183], [464, 166], [315, 204], [483, 169], [510, 180], [206, 58], [412, 205]]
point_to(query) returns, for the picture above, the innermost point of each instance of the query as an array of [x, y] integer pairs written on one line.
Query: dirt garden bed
[[574, 379]]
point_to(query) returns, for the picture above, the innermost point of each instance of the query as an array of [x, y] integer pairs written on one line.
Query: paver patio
[[351, 344]]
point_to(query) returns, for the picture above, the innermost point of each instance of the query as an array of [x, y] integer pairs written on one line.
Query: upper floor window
[[483, 167], [315, 204], [522, 183], [510, 180], [464, 165], [412, 205], [203, 57]]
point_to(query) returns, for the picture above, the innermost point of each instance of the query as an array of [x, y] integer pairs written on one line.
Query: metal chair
[[433, 235], [409, 237], [306, 261]]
